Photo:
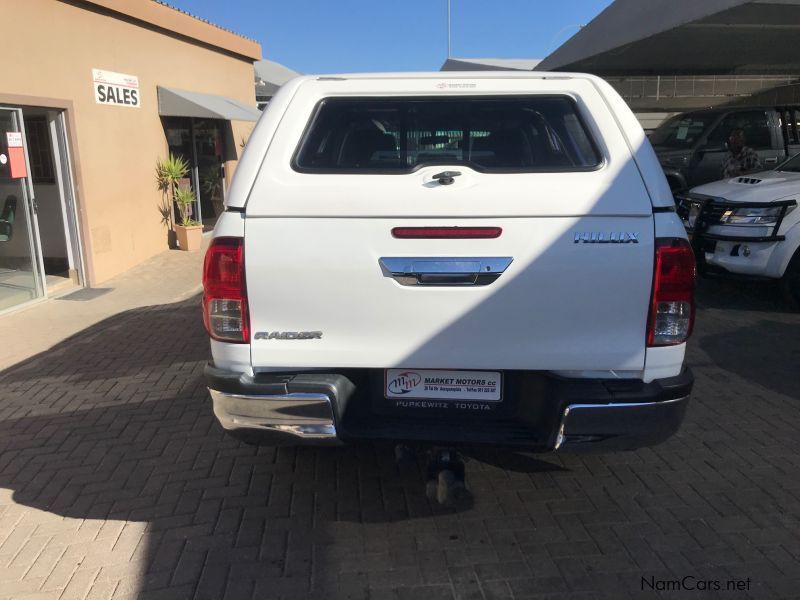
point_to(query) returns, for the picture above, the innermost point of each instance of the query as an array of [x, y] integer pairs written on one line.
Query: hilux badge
[[601, 237]]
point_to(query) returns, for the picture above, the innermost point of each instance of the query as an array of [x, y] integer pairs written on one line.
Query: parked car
[[749, 226], [465, 258], [692, 146]]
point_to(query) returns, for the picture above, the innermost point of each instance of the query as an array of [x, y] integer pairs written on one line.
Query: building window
[[40, 151]]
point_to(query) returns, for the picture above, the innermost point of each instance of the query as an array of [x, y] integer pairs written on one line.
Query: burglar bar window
[[39, 150]]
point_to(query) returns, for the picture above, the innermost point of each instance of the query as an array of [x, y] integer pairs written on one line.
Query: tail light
[[672, 304], [224, 292]]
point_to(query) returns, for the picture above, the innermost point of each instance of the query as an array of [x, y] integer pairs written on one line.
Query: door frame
[[74, 173], [29, 206], [61, 143], [63, 168]]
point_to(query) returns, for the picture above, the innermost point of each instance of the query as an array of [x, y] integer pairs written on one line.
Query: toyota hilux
[[466, 258]]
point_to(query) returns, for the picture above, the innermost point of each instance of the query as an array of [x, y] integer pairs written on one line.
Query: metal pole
[[448, 28]]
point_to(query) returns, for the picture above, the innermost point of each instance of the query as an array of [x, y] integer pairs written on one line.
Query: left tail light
[[672, 305], [225, 313]]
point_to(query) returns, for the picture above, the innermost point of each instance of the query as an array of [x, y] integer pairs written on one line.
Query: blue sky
[[325, 36]]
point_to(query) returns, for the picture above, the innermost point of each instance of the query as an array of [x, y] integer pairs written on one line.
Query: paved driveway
[[115, 481]]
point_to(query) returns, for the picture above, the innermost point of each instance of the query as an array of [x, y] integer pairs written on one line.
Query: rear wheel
[[790, 282]]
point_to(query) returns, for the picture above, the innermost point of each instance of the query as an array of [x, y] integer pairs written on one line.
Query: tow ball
[[444, 473]]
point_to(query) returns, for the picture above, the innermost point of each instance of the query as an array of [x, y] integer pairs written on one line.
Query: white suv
[[749, 226], [467, 258]]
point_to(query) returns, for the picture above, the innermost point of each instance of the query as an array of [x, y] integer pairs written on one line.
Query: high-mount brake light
[[225, 313], [672, 304], [446, 233]]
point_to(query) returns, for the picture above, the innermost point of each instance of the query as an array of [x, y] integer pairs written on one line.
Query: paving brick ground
[[116, 482]]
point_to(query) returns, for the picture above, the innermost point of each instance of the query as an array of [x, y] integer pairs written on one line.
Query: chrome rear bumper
[[307, 417], [600, 426], [554, 414]]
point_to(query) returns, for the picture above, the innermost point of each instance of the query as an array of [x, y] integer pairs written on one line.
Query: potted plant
[[170, 174]]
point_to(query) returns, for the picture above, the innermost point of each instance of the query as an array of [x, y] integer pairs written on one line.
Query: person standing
[[741, 159]]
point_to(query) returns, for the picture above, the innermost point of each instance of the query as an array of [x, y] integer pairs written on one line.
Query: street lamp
[[448, 28]]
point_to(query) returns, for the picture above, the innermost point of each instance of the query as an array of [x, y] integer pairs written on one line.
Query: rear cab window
[[488, 134]]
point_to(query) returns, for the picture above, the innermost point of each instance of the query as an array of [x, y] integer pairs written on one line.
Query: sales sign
[[14, 139], [116, 89]]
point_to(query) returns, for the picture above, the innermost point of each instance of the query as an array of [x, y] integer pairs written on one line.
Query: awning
[[270, 76], [180, 103]]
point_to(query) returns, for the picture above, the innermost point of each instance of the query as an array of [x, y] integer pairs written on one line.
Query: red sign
[[16, 155], [16, 163]]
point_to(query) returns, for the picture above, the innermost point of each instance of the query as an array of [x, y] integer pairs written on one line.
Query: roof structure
[[661, 37], [172, 21], [490, 64], [270, 76], [201, 19]]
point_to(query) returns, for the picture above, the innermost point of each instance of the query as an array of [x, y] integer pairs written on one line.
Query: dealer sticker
[[443, 385]]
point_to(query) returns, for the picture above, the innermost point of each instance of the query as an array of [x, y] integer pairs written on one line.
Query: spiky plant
[[184, 198], [169, 172]]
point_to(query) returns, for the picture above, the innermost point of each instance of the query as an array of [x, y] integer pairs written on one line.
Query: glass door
[[20, 269], [202, 143], [209, 150], [180, 142]]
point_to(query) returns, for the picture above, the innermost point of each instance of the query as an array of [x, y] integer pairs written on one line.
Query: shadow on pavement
[[766, 352], [755, 336], [730, 294], [114, 425]]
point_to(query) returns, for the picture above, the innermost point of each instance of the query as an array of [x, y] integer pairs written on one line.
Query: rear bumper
[[541, 412]]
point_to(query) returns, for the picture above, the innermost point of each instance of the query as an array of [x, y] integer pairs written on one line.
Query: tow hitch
[[445, 473]]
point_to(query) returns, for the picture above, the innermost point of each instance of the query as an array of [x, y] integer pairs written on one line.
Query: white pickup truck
[[749, 226], [466, 258]]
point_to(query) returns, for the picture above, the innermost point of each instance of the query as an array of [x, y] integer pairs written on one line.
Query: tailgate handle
[[445, 271]]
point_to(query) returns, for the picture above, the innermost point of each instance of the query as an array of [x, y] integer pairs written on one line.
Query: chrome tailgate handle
[[445, 271]]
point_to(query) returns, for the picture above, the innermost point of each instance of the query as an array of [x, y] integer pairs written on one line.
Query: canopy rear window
[[491, 134]]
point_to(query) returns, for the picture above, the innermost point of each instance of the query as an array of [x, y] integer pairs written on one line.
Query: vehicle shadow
[[763, 351], [120, 477], [729, 294], [113, 426]]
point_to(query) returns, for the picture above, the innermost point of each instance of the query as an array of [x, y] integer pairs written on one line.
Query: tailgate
[[558, 306]]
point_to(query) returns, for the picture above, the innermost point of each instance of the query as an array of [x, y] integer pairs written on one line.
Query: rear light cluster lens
[[224, 292], [672, 304]]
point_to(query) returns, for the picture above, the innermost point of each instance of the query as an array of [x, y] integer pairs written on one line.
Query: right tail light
[[672, 303]]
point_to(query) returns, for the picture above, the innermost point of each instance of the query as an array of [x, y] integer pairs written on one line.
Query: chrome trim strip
[[429, 265], [445, 271], [307, 431], [574, 407], [294, 397]]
